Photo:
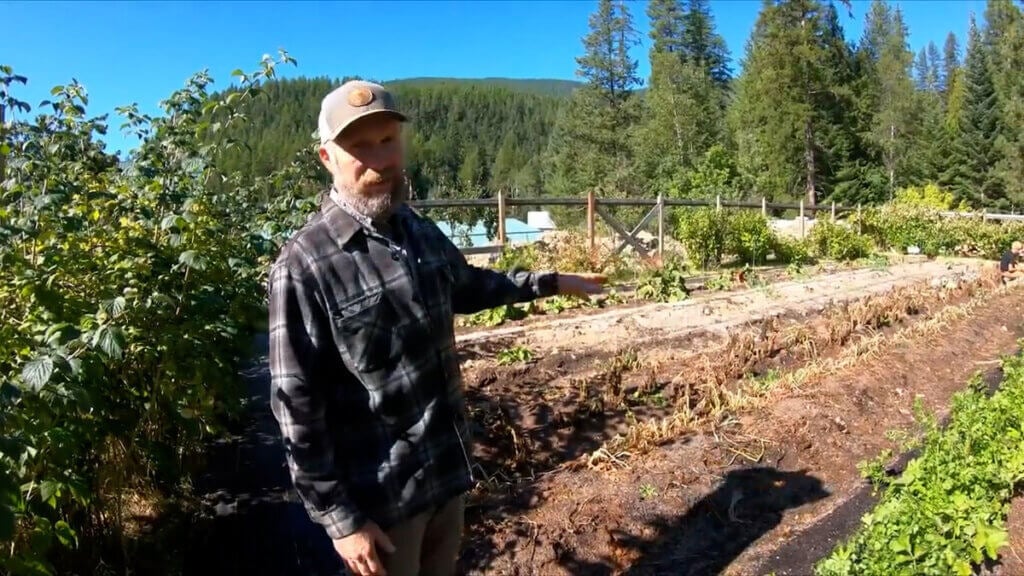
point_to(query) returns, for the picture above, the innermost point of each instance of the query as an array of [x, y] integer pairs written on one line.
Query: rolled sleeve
[[297, 400]]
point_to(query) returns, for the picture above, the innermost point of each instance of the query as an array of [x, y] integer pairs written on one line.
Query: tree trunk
[[892, 161], [809, 162]]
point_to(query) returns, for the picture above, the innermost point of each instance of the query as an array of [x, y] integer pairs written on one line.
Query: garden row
[[946, 513], [600, 452], [734, 245]]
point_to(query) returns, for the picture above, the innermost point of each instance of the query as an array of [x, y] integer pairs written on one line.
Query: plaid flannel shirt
[[365, 382]]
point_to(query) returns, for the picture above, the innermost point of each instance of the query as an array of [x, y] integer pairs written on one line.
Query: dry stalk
[[716, 402]]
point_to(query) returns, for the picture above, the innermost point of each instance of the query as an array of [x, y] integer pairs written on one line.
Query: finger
[[362, 566], [373, 564], [353, 566], [384, 542]]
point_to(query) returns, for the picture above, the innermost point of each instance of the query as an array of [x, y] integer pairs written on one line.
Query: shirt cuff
[[340, 522]]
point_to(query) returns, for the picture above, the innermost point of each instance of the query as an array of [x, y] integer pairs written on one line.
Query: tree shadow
[[746, 505]]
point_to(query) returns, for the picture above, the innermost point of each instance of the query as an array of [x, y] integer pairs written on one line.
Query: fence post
[[501, 217], [591, 215], [860, 220], [661, 227], [764, 207], [718, 203], [833, 210], [802, 225]]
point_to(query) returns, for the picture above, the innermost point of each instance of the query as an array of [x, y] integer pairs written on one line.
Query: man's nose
[[381, 160]]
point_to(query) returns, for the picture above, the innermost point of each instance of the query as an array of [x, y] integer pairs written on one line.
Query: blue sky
[[140, 52]]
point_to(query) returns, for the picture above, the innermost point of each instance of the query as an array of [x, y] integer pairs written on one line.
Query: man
[[1008, 263], [365, 382]]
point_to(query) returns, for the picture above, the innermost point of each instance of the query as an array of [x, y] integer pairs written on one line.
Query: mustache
[[374, 177]]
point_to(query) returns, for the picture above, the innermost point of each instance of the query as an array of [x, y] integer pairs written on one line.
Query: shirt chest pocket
[[366, 330]]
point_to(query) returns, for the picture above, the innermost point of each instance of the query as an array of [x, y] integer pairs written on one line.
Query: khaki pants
[[427, 544]]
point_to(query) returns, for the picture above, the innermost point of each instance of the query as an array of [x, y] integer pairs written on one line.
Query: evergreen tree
[[935, 67], [928, 69], [922, 71], [701, 46], [793, 88], [588, 148], [892, 90], [684, 106], [666, 26], [974, 152], [950, 64], [1005, 43]]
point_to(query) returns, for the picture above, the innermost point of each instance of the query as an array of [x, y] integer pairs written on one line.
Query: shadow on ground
[[253, 523], [707, 538]]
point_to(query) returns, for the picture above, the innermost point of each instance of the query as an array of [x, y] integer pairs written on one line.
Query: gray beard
[[379, 207]]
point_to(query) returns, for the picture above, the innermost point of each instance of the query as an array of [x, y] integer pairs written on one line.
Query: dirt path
[[727, 499], [254, 523]]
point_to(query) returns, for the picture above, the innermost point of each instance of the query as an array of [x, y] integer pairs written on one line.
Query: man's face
[[366, 163]]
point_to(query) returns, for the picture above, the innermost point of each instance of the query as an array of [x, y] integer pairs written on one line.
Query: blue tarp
[[517, 232]]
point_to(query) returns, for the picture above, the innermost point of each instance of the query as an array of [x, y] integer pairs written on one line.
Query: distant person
[[365, 382], [1008, 264]]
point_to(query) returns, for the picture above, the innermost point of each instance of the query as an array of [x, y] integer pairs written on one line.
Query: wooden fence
[[597, 207]]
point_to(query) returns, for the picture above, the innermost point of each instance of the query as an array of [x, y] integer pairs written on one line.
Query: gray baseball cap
[[351, 101]]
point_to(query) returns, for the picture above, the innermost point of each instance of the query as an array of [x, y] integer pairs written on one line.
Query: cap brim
[[337, 131]]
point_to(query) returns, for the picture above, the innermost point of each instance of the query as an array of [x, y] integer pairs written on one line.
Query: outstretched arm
[[297, 400], [479, 289]]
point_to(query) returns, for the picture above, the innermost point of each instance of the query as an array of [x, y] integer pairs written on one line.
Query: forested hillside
[[812, 114], [479, 134]]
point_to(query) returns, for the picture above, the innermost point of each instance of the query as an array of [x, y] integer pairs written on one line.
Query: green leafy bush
[[129, 298], [946, 513], [704, 233], [524, 257], [750, 238], [666, 283], [929, 196], [897, 227], [836, 241], [789, 250]]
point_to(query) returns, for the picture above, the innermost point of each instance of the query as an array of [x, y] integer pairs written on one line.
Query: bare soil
[[784, 390], [1012, 557]]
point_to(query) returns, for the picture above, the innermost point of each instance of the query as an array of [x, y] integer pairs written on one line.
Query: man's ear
[[325, 156]]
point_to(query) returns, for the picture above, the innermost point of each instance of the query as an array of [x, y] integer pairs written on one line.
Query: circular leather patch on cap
[[360, 97]]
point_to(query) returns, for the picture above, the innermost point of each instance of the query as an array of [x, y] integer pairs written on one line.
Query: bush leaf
[[37, 372], [110, 340]]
